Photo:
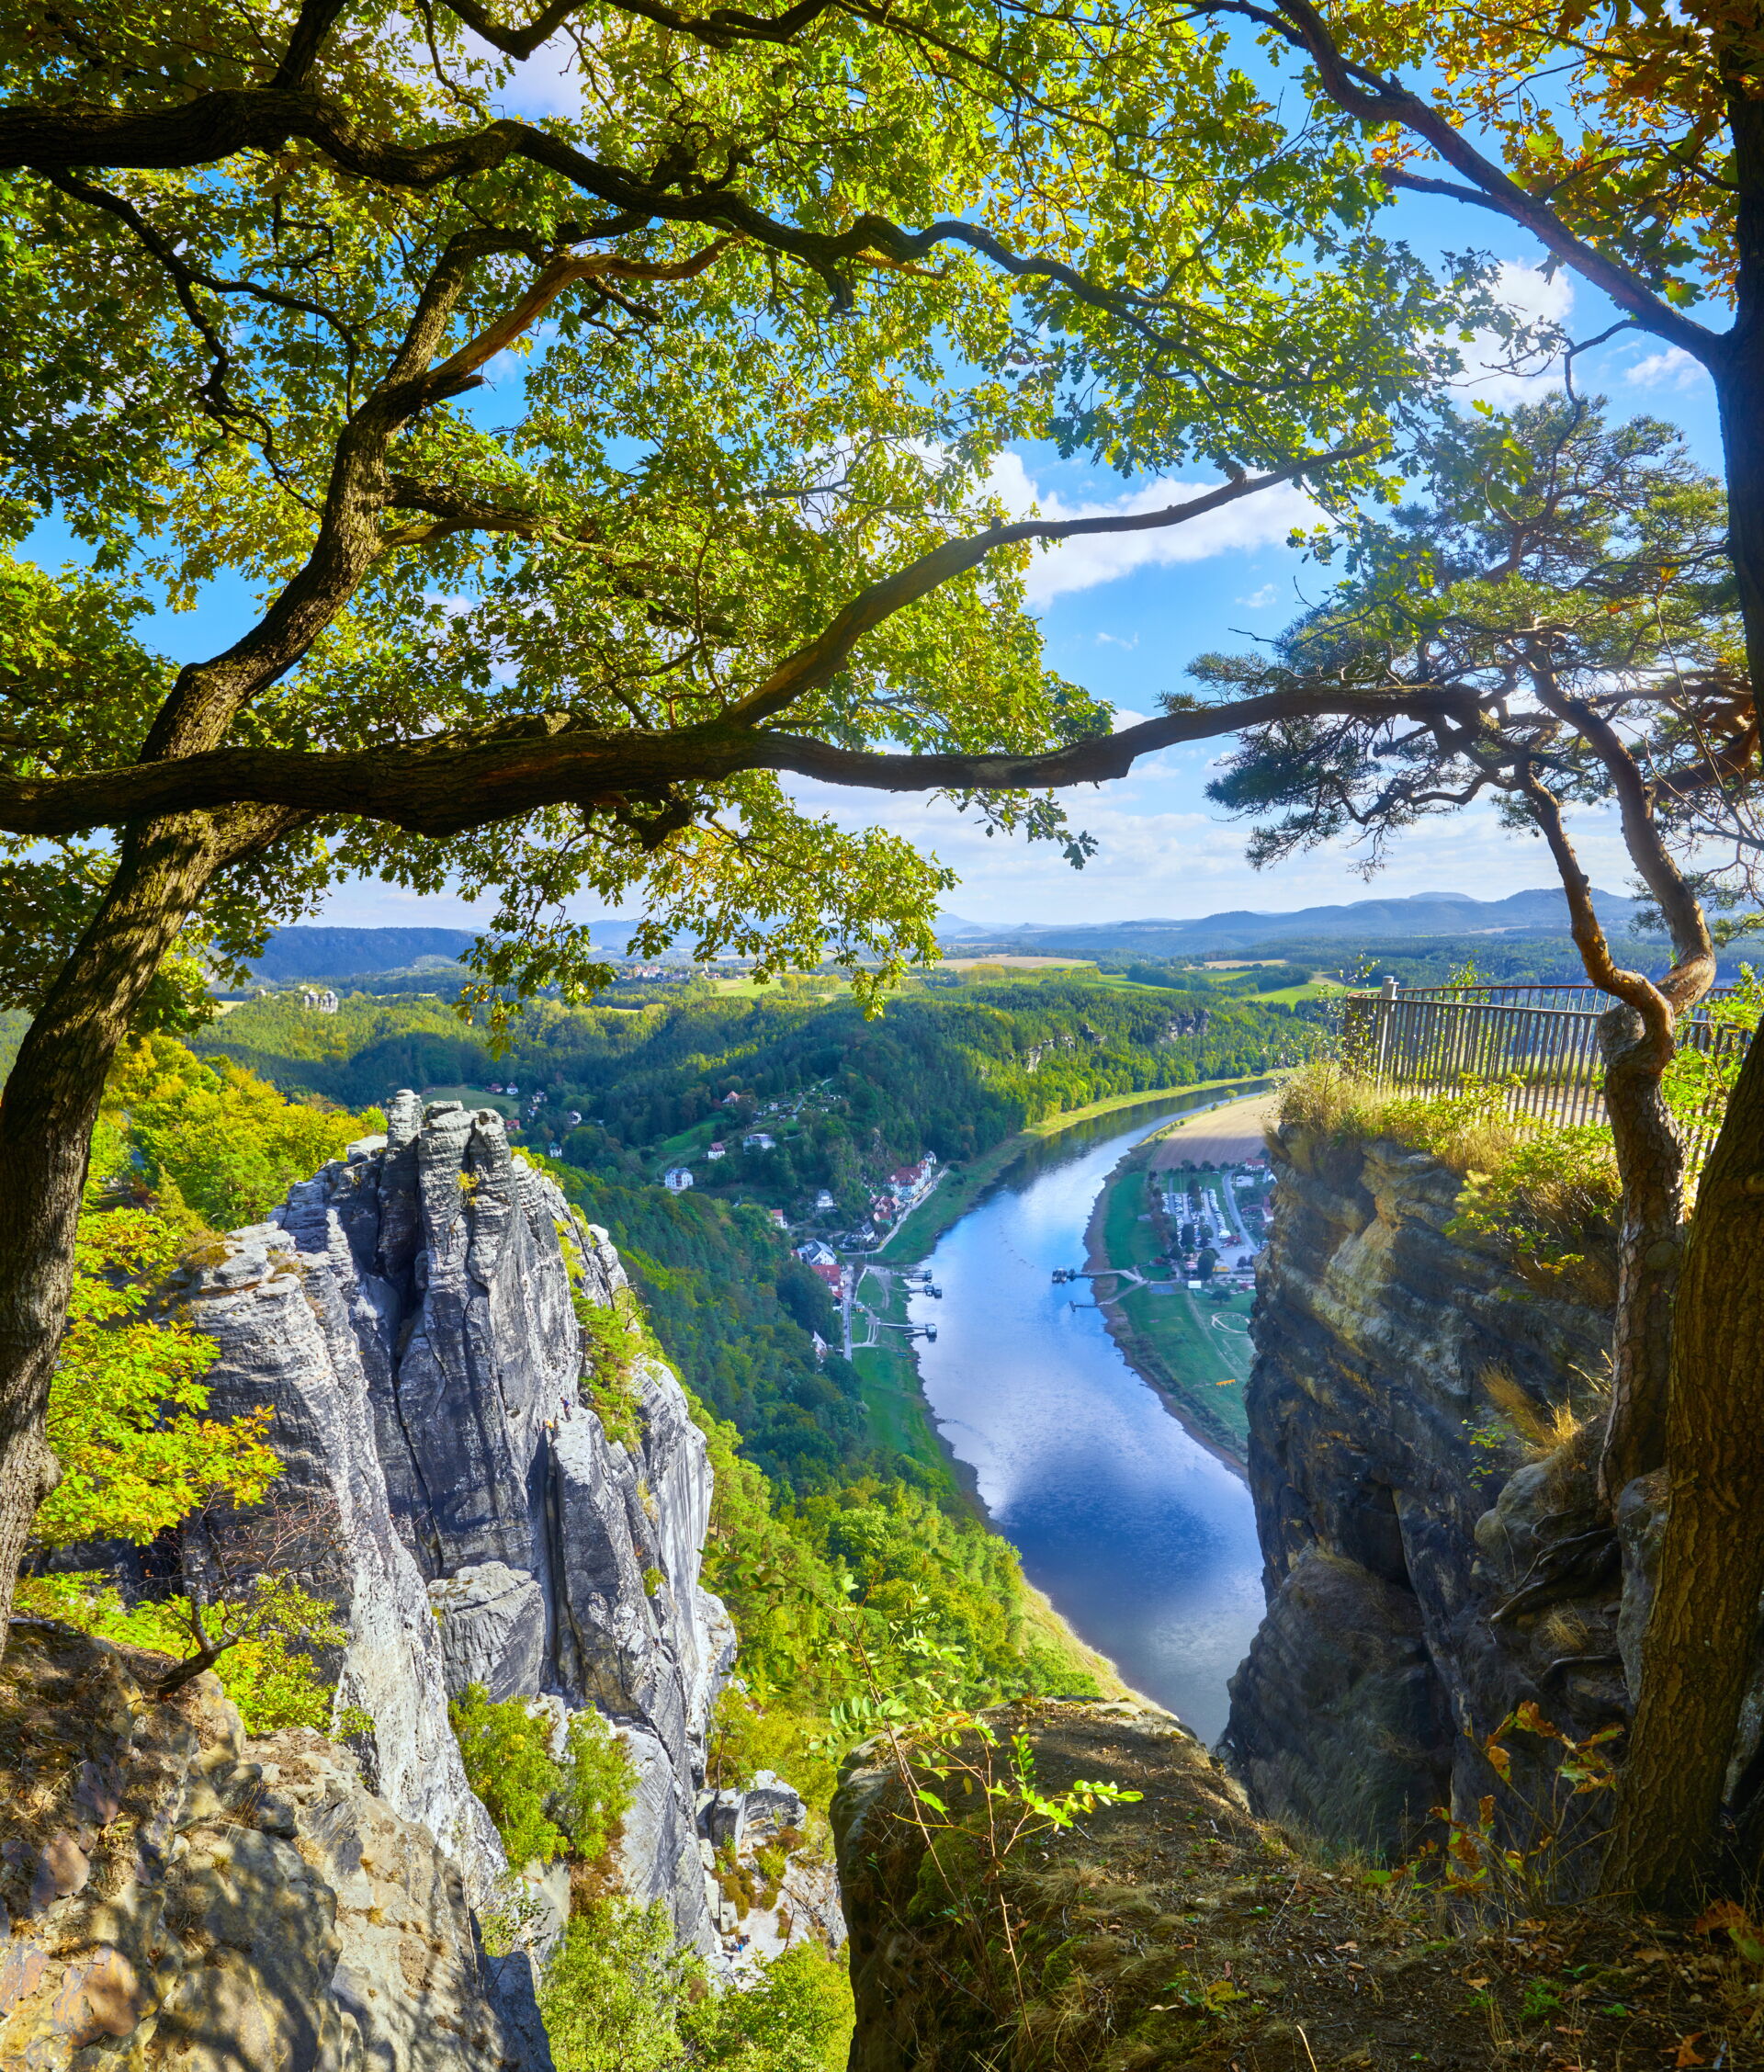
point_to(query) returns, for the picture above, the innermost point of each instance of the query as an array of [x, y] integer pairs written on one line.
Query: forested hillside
[[952, 1069]]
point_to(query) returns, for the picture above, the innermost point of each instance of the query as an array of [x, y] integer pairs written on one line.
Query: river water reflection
[[1144, 1542]]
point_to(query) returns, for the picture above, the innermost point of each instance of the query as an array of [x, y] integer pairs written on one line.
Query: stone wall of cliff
[[1427, 1567], [408, 1316], [175, 1895]]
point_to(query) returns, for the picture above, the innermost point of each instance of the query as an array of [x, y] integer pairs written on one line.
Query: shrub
[[614, 1994], [507, 1754], [619, 1996], [127, 1398], [597, 1788], [542, 1808], [266, 1671], [798, 2017]]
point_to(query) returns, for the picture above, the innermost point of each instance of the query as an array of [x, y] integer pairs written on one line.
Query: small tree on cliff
[[1551, 625], [1626, 139]]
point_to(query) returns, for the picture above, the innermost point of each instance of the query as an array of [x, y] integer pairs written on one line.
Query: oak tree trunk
[[47, 1113], [1698, 1651], [1650, 1160]]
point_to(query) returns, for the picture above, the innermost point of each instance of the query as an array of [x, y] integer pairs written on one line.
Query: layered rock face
[[409, 1315], [175, 1895], [1423, 1576]]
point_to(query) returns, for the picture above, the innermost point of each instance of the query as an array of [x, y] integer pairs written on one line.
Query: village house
[[677, 1179], [759, 1140], [717, 1150]]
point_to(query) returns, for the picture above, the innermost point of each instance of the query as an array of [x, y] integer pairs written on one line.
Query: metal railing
[[1537, 1044]]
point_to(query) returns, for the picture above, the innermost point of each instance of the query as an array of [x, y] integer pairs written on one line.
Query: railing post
[[1386, 1020]]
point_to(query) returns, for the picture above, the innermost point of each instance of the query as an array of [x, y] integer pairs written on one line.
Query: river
[[1145, 1543]]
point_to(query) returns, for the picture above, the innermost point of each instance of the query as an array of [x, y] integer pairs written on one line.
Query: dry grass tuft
[[1471, 1131], [1543, 1427]]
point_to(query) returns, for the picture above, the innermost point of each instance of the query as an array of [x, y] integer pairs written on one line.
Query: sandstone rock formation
[[1424, 1574], [410, 1314], [173, 1895]]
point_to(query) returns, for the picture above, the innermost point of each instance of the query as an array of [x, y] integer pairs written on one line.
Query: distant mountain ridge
[[341, 953], [345, 953], [1384, 921]]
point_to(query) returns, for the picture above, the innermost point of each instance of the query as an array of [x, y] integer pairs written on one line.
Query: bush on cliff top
[[1551, 1197]]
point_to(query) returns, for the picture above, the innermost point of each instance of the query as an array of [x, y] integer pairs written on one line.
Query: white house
[[815, 1254], [677, 1179], [759, 1140], [824, 1201], [717, 1151]]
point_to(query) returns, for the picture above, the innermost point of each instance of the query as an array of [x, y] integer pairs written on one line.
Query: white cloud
[[1525, 291], [1114, 641], [1164, 851], [1672, 368], [1259, 600], [1258, 520]]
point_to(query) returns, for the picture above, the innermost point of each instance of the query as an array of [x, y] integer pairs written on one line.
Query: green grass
[[1287, 996], [1171, 1337], [472, 1097], [900, 1419]]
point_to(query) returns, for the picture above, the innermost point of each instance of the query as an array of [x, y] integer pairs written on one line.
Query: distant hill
[[1383, 921], [341, 953]]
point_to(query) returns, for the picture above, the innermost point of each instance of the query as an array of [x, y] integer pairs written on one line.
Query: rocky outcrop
[[175, 1895], [1172, 1929], [410, 1315], [1431, 1551]]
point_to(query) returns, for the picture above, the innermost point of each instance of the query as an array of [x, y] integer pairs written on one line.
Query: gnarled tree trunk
[[1697, 1651], [47, 1114], [1650, 1159]]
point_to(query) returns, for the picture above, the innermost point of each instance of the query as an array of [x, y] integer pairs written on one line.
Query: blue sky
[[1125, 618]]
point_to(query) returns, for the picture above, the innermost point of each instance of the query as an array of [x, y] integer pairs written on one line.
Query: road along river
[[1145, 1543]]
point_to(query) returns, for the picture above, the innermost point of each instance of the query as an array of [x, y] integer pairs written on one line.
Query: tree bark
[[1650, 1160], [1739, 371], [1697, 1651], [47, 1113]]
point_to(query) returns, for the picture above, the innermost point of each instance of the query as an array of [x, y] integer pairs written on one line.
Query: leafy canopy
[[596, 423], [1552, 612]]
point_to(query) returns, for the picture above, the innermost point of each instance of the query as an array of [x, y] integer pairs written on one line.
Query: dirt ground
[[1225, 1136], [1177, 1931]]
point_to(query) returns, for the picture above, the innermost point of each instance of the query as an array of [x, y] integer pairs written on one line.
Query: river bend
[[1145, 1542]]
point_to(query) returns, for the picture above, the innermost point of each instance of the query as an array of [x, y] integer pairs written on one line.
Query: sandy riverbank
[[1227, 1136]]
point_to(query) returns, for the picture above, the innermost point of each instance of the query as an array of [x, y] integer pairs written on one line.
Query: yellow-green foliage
[[619, 1996], [1553, 1198], [616, 1339], [1697, 1084], [1550, 1194], [267, 1674], [1471, 1130], [217, 1141], [126, 1401], [542, 1808]]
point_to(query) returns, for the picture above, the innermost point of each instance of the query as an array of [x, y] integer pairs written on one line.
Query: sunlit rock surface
[[174, 1894]]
